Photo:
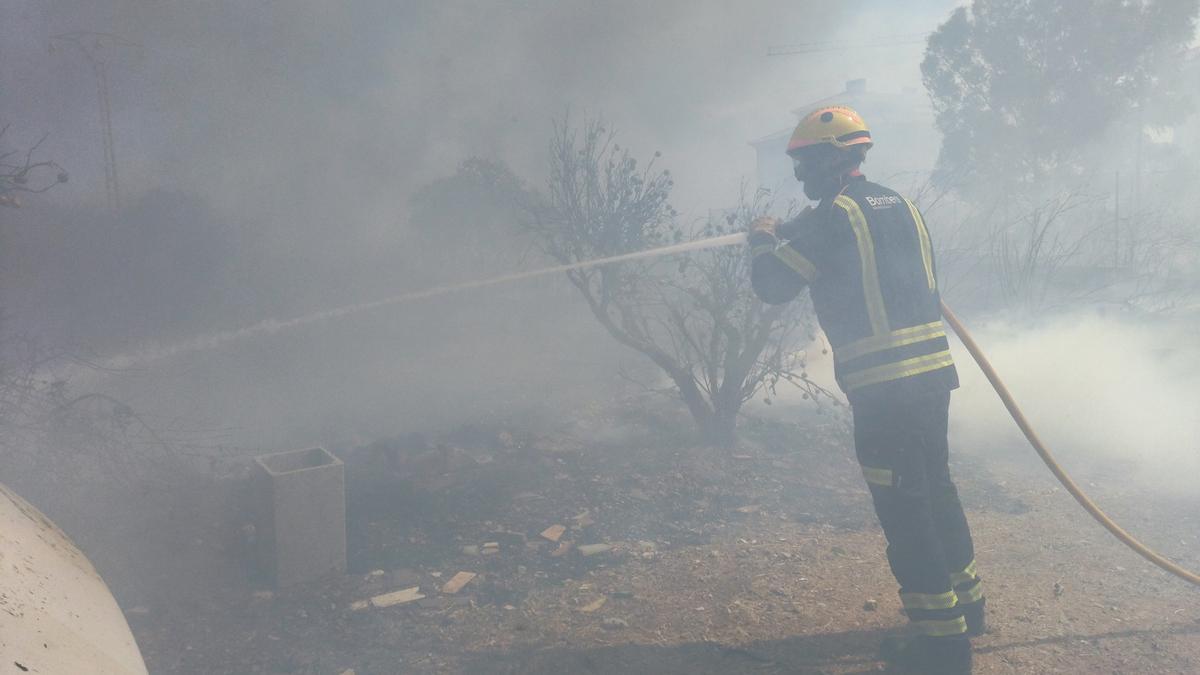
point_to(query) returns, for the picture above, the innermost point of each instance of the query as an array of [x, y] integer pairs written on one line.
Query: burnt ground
[[766, 559]]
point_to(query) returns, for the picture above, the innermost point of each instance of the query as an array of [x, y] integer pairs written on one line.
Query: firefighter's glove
[[764, 225], [763, 232]]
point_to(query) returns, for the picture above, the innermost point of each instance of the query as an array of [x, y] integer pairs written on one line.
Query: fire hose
[[1031, 435], [215, 340]]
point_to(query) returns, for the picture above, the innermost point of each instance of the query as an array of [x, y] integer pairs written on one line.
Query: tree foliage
[[483, 197], [1020, 86], [694, 316]]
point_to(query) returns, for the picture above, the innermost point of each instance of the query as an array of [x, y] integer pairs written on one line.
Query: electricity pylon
[[96, 47]]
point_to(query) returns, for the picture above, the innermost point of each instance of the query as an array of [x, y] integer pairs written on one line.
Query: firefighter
[[865, 255]]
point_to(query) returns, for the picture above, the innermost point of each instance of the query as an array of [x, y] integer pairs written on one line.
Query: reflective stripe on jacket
[[867, 257]]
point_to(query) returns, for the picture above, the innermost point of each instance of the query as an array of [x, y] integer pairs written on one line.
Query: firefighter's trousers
[[901, 444]]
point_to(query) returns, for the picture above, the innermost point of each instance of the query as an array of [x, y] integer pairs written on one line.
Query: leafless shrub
[[1155, 257], [1030, 252], [20, 172], [54, 434], [693, 316]]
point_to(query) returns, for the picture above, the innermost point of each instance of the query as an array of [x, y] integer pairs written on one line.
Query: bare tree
[[1030, 253], [693, 316], [1154, 260], [20, 172]]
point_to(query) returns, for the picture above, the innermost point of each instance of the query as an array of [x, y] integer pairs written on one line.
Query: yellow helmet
[[836, 125]]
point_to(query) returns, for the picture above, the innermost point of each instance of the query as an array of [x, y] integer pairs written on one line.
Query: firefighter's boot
[[968, 587], [923, 655], [974, 614]]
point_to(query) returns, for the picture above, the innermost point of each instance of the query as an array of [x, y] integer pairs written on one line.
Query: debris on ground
[[405, 577], [594, 605], [582, 520], [593, 549], [553, 533], [392, 599], [677, 569], [457, 582]]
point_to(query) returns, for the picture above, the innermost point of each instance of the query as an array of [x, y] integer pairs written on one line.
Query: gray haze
[[267, 153], [276, 160], [279, 109]]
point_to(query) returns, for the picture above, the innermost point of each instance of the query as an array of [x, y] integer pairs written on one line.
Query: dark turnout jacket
[[867, 258]]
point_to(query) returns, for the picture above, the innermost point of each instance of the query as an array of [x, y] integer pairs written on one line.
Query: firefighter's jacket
[[866, 256]]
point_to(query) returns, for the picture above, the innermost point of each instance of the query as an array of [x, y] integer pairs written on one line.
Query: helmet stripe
[[862, 133]]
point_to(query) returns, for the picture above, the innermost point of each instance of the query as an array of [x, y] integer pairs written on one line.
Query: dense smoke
[[267, 157], [315, 198], [1099, 389]]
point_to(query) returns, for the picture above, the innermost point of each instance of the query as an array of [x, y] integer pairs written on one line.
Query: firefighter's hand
[[762, 233], [765, 225]]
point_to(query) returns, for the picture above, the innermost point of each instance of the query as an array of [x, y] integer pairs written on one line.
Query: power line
[[835, 46]]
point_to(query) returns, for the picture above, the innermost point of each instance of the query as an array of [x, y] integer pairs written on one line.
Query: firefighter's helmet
[[838, 126]]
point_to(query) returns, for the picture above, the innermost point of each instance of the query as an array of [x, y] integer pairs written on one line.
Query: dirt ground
[[765, 559]]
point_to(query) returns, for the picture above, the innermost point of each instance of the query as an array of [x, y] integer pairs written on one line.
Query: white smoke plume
[[1099, 389]]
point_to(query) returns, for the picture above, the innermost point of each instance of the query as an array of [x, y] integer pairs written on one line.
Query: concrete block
[[301, 519]]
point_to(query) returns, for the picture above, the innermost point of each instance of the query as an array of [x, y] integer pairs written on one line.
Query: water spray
[[265, 327]]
